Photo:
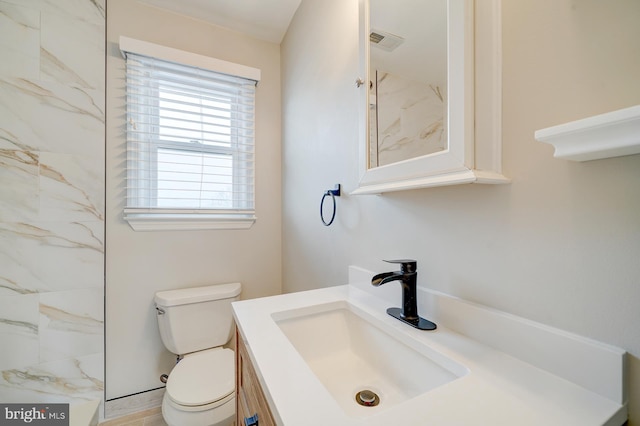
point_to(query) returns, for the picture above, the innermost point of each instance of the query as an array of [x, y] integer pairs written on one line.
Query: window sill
[[186, 222]]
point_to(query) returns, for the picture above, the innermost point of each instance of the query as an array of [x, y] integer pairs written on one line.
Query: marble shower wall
[[407, 119], [52, 61]]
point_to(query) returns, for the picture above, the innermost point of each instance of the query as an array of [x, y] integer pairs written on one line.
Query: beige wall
[[141, 263], [559, 245]]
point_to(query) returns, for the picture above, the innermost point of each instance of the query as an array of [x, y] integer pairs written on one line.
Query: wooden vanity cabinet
[[250, 399]]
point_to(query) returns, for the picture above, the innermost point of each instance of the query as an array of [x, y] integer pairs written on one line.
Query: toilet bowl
[[200, 390]]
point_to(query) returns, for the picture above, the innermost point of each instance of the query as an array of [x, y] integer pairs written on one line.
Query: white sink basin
[[314, 350], [348, 351]]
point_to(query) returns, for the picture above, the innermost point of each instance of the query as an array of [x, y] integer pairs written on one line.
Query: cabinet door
[[250, 399]]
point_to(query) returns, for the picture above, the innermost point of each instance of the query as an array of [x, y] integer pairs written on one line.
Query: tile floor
[[151, 417]]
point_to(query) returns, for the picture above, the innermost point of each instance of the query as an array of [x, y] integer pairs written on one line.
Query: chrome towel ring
[[333, 193]]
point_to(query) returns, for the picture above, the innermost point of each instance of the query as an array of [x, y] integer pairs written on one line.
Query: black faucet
[[407, 275]]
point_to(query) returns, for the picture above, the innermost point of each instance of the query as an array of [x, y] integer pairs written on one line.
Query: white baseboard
[[132, 404]]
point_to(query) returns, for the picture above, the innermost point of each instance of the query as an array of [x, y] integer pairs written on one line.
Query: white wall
[[138, 264], [559, 245]]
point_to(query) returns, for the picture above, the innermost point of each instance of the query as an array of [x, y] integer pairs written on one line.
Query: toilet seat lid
[[202, 377]]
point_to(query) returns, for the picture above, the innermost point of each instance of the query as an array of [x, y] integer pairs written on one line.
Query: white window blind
[[190, 146]]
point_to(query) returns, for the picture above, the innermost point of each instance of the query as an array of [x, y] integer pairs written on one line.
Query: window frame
[[150, 218]]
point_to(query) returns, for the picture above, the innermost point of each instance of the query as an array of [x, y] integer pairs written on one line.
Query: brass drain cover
[[367, 398]]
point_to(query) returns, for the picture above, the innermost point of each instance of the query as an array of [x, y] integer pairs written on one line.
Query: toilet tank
[[193, 319]]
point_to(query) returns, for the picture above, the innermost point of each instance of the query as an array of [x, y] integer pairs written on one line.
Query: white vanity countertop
[[499, 388]]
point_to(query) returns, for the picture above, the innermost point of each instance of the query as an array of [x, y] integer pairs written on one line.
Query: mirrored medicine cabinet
[[430, 94]]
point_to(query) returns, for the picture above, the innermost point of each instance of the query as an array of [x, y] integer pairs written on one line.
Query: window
[[190, 144]]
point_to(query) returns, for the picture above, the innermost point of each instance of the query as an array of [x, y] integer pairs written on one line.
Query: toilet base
[[222, 415]]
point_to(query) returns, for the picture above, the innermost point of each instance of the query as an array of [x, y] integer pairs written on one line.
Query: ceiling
[[264, 19]]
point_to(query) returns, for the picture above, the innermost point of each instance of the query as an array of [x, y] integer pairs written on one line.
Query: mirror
[[419, 84], [408, 79]]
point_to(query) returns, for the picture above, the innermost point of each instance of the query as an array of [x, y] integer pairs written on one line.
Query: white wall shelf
[[613, 134]]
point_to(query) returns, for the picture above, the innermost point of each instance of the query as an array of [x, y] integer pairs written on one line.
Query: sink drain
[[367, 398]]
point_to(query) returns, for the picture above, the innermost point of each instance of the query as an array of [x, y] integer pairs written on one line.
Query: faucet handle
[[408, 266]]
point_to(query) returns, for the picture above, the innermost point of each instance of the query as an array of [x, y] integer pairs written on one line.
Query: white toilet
[[195, 323]]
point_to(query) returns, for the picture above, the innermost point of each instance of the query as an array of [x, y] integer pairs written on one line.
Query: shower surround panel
[[52, 200]]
